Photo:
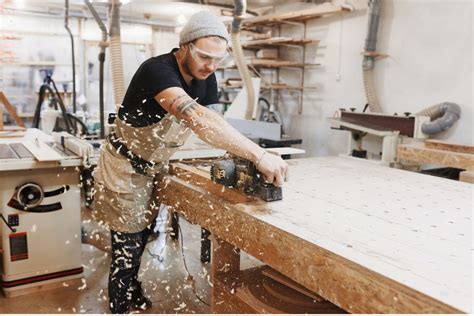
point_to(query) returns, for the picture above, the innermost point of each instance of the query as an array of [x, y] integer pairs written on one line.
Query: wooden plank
[[12, 133], [437, 144], [42, 152], [1, 119], [466, 176], [253, 293], [420, 154], [341, 234], [270, 63], [277, 41], [11, 110], [295, 16], [280, 151], [268, 53], [277, 276]]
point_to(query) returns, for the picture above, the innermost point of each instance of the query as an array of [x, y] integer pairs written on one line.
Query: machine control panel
[[13, 220]]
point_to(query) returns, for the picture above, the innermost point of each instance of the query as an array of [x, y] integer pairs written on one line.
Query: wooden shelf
[[274, 64], [267, 87], [276, 41], [256, 40], [319, 11]]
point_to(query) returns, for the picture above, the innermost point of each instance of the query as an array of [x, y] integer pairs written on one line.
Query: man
[[167, 98]]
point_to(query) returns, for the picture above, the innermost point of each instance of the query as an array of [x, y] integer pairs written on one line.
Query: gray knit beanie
[[202, 24]]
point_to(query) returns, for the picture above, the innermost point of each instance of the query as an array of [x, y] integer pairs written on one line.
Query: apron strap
[[138, 163]]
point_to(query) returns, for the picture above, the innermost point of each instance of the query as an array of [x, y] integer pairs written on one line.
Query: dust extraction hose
[[443, 116], [239, 10], [116, 54], [369, 60]]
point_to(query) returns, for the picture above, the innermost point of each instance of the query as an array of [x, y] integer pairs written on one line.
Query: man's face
[[204, 55]]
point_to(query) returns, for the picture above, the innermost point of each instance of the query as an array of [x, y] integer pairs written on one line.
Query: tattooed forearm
[[187, 106], [177, 98]]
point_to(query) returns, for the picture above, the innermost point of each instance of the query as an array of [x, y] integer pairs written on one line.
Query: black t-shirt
[[139, 107]]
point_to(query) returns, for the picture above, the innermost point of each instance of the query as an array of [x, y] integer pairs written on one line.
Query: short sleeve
[[158, 76]]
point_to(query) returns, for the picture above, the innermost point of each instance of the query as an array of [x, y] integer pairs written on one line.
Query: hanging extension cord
[[189, 278]]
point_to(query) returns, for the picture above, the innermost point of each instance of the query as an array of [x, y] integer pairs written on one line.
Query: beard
[[194, 70]]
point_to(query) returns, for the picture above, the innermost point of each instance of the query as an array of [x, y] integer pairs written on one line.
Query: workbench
[[368, 238]]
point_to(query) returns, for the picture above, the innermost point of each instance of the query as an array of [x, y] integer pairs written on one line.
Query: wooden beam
[[11, 110], [421, 154], [459, 148], [1, 120], [277, 41], [295, 16]]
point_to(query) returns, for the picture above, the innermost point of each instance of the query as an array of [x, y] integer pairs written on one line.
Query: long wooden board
[[437, 144], [421, 154], [370, 239], [11, 110], [295, 16]]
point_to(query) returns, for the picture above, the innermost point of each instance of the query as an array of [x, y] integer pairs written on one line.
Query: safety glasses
[[205, 57]]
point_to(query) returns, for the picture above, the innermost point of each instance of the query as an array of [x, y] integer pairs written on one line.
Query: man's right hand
[[273, 168]]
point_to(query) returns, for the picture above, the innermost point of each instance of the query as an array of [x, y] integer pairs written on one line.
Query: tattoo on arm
[[177, 98], [187, 106]]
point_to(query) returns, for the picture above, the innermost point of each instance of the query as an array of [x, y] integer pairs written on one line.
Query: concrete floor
[[164, 282]]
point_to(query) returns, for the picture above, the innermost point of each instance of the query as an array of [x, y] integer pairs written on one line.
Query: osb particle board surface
[[415, 229]]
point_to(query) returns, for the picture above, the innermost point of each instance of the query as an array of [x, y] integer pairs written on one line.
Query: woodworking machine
[[392, 129], [241, 174], [40, 225]]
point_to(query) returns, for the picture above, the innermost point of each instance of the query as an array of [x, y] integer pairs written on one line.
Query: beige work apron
[[123, 198]]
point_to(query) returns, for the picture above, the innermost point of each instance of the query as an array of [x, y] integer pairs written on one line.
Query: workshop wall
[[33, 43], [137, 43], [431, 57]]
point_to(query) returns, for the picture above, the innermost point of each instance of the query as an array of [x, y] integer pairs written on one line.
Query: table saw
[[40, 228]]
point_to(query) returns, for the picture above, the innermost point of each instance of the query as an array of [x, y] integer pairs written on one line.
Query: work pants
[[127, 250]]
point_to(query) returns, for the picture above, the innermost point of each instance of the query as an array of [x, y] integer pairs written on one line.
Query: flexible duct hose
[[443, 116], [116, 55], [369, 61], [239, 10], [372, 100]]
